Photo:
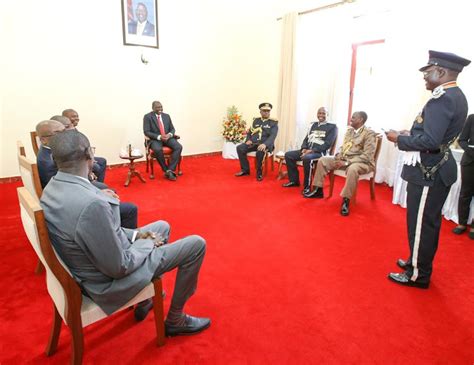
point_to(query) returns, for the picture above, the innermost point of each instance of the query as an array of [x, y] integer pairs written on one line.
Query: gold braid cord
[[258, 130]]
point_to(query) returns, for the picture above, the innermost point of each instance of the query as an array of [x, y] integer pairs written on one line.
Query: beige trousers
[[353, 171]]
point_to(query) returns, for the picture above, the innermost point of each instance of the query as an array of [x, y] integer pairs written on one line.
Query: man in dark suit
[[47, 169], [260, 138], [110, 263], [158, 127], [143, 26], [320, 138], [466, 141], [429, 167], [100, 163]]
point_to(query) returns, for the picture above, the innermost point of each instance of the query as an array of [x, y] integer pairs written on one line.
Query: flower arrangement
[[234, 126]]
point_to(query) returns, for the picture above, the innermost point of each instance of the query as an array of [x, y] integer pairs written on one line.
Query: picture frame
[[140, 23]]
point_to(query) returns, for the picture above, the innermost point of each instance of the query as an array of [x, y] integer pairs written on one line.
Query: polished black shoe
[[259, 176], [305, 191], [170, 175], [471, 234], [345, 207], [403, 279], [192, 326], [142, 309], [242, 173], [290, 184], [316, 193], [402, 264], [459, 230]]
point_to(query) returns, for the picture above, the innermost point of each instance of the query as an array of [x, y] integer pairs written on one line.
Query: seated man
[[158, 127], [317, 142], [357, 157], [47, 169], [260, 138], [110, 263], [100, 163]]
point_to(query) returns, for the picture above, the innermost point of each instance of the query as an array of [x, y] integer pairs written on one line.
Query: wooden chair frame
[[378, 147], [73, 295], [150, 156], [34, 142]]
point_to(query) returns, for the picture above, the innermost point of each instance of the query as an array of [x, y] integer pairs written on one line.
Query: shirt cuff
[[134, 237]]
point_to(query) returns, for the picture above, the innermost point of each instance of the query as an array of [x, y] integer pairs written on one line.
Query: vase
[[229, 150]]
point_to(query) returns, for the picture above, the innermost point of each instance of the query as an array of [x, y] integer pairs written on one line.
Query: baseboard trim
[[11, 179]]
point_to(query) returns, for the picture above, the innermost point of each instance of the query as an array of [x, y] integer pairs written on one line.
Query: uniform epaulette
[[274, 120]]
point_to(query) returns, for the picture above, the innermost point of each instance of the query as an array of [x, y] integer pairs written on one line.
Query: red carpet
[[286, 280]]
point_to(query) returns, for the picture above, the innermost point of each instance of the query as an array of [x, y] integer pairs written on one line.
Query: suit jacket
[[46, 165], [359, 147], [84, 228], [466, 139], [440, 122], [149, 29], [150, 125], [263, 131]]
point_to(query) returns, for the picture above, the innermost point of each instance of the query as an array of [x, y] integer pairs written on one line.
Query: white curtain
[[287, 84]]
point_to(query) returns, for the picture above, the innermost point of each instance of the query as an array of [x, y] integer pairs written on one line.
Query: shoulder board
[[255, 118], [273, 120]]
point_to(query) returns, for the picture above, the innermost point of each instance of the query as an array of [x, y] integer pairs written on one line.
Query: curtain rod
[[323, 7]]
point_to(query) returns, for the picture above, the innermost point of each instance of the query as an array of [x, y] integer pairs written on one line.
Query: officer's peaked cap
[[446, 60]]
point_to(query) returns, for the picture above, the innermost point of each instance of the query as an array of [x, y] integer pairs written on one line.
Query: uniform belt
[[431, 152]]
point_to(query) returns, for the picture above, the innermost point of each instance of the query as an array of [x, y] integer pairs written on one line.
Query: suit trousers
[[424, 205], [467, 193], [99, 168], [185, 254], [291, 157], [242, 150], [157, 147], [353, 171]]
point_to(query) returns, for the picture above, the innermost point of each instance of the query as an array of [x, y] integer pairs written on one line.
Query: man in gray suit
[[110, 263]]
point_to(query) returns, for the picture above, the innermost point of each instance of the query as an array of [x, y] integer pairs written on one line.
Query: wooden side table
[[131, 168]]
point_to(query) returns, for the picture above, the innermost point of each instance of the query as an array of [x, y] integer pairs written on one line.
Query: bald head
[[72, 115], [323, 113], [71, 152], [48, 128], [63, 120]]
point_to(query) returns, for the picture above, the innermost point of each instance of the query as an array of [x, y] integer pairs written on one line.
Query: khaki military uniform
[[358, 152]]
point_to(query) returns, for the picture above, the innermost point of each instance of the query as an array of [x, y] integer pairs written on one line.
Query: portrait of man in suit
[[141, 26]]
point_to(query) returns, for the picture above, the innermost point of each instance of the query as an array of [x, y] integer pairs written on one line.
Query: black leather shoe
[[402, 264], [459, 230], [290, 184], [142, 309], [170, 175], [192, 325], [242, 173], [403, 279], [316, 193], [471, 234], [259, 176], [305, 191], [345, 207]]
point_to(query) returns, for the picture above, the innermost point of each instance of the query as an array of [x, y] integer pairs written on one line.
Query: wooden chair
[[35, 142], [267, 159], [281, 161], [76, 310], [369, 176], [31, 181], [150, 156]]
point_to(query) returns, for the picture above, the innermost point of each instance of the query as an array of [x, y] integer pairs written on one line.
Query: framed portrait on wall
[[140, 23]]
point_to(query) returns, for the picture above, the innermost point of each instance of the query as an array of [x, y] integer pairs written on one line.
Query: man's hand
[[110, 193], [304, 152], [165, 137], [339, 163], [392, 135], [261, 147], [248, 143], [92, 176], [158, 239]]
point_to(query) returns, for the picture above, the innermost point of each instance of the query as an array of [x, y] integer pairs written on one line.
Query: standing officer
[[260, 138], [317, 142], [430, 168]]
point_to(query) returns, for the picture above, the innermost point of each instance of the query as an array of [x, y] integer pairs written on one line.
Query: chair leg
[[54, 335], [147, 162], [39, 268], [372, 188], [272, 161], [331, 183], [152, 172], [77, 344], [158, 312]]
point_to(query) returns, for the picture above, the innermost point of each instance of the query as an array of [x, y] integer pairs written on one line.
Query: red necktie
[[160, 125]]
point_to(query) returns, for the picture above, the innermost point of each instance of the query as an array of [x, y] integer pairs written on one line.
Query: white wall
[[59, 54]]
